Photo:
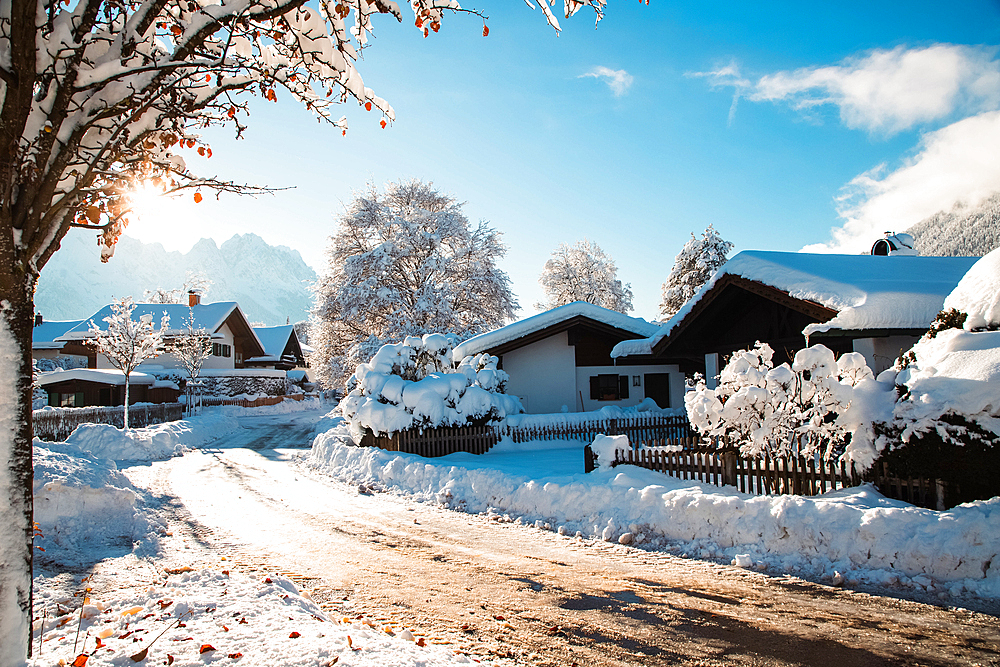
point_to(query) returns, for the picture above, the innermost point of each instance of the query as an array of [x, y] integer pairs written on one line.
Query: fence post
[[729, 468]]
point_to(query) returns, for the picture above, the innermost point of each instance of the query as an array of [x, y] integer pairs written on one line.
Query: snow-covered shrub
[[413, 384], [767, 409]]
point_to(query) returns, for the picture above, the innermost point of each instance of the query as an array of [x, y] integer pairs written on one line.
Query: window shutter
[[623, 382], [595, 388]]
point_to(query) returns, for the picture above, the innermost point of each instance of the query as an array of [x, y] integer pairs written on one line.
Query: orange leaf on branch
[[197, 198], [486, 31], [81, 661], [368, 106]]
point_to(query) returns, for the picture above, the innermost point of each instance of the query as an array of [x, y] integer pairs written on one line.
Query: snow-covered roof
[[274, 339], [101, 375], [207, 316], [43, 336], [553, 317], [867, 291]]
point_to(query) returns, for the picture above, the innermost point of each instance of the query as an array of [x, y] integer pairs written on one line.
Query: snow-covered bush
[[802, 408], [413, 384]]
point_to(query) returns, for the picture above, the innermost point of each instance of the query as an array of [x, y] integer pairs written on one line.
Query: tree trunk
[[16, 508], [126, 401]]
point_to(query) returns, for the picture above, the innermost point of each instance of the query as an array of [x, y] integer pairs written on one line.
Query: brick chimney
[[194, 298], [38, 319]]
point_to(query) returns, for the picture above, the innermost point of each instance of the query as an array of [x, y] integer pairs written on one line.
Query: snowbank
[[160, 441], [212, 616], [857, 532], [82, 501]]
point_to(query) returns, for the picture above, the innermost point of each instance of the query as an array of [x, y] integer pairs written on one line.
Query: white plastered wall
[[543, 375]]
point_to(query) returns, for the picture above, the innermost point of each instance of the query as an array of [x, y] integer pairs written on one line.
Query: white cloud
[[619, 81], [956, 164], [884, 91], [727, 76]]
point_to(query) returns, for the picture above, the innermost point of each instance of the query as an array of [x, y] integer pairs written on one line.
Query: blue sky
[[847, 116]]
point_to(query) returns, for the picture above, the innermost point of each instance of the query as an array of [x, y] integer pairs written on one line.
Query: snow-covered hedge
[[804, 407], [414, 385], [946, 422]]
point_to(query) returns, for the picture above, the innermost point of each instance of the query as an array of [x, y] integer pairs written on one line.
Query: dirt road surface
[[514, 594]]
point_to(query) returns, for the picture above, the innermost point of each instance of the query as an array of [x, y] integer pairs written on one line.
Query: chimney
[[38, 319], [194, 298]]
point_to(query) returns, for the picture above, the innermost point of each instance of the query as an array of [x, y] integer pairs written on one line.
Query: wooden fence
[[244, 403], [796, 475], [58, 423], [479, 439], [638, 428], [437, 441]]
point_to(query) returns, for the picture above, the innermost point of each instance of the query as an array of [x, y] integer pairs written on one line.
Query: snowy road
[[509, 592]]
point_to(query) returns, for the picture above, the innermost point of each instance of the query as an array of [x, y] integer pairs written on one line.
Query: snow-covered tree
[[99, 98], [414, 384], [583, 272], [195, 282], [694, 266], [127, 342], [192, 345], [767, 409], [405, 262]]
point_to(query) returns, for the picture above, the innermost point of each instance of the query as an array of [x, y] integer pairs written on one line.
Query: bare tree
[[583, 272], [127, 342], [192, 346], [405, 263]]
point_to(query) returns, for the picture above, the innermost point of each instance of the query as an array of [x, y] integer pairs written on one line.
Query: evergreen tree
[[583, 272], [405, 262], [694, 266]]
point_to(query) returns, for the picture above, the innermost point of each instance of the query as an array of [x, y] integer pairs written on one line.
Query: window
[[636, 380], [221, 350], [609, 387]]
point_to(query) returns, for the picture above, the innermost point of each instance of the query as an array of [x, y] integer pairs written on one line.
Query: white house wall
[[881, 353], [170, 361], [636, 394], [543, 374]]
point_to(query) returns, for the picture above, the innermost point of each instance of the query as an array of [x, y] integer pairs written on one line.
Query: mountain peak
[[269, 282]]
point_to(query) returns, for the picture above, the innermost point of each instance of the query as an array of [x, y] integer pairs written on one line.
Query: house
[[225, 372], [282, 349], [81, 387], [233, 339], [876, 305], [560, 360], [52, 353]]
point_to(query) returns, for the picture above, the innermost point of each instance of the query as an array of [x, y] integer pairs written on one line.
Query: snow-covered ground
[[854, 536], [88, 513]]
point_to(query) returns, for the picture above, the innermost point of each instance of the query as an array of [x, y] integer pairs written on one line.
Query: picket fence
[[638, 428], [431, 442], [58, 423], [244, 403], [766, 475]]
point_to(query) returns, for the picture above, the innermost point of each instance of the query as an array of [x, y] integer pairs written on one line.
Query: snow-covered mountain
[[271, 283], [961, 232]]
